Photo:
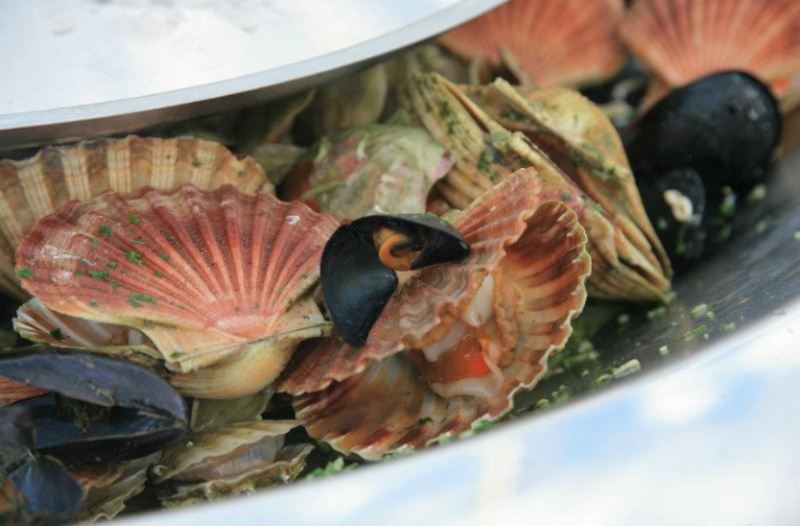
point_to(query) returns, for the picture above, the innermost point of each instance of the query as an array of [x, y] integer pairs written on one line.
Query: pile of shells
[[372, 265]]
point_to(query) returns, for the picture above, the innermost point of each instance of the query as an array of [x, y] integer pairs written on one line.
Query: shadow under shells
[[456, 341]]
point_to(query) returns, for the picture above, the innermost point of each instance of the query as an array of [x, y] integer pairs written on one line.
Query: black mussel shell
[[723, 126], [45, 493], [356, 284], [441, 243], [99, 409], [676, 204], [625, 89]]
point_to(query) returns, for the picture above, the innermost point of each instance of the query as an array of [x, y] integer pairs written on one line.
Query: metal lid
[[78, 68]]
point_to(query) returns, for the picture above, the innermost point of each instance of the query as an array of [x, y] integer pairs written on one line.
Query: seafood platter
[[536, 259]]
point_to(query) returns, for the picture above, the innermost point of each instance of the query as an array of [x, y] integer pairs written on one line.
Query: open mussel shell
[[681, 41], [234, 459], [34, 187], [218, 282], [141, 412], [43, 493], [626, 265], [545, 42], [358, 272], [454, 344], [377, 169], [723, 126]]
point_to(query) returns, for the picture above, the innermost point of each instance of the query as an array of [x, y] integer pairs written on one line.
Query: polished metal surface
[[81, 68], [705, 433]]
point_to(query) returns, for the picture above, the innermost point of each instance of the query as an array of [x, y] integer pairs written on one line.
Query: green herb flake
[[136, 299], [137, 241], [99, 274], [758, 193], [695, 331], [658, 312], [334, 466], [699, 310], [133, 219], [112, 264], [24, 273], [177, 355], [165, 257], [627, 368], [158, 274], [105, 230], [133, 257], [93, 303], [56, 334]]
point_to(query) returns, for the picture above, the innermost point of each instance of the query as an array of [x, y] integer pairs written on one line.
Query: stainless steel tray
[[81, 68]]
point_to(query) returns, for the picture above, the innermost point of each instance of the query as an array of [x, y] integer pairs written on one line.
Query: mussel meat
[[360, 260]]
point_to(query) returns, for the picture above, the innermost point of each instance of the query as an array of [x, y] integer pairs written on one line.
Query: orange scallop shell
[[40, 185], [545, 42], [682, 40], [211, 278], [372, 399]]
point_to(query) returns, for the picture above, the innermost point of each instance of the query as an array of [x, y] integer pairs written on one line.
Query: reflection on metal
[[81, 68]]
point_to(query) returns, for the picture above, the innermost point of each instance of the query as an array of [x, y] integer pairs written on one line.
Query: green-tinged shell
[[277, 159], [270, 123], [355, 100], [377, 169], [583, 142], [235, 459], [486, 152], [207, 415], [109, 486]]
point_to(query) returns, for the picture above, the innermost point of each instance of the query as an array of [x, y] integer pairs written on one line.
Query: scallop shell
[[533, 250], [683, 40], [234, 459], [34, 187], [486, 153], [217, 281], [583, 142], [108, 487], [546, 42], [355, 100], [12, 391], [378, 169]]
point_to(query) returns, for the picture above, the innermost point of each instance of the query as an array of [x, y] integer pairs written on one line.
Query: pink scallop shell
[[546, 42], [682, 40], [374, 399], [211, 278]]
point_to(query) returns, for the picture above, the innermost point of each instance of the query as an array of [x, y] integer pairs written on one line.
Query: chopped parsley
[[98, 274], [133, 219], [105, 230], [24, 272], [133, 257], [136, 299]]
